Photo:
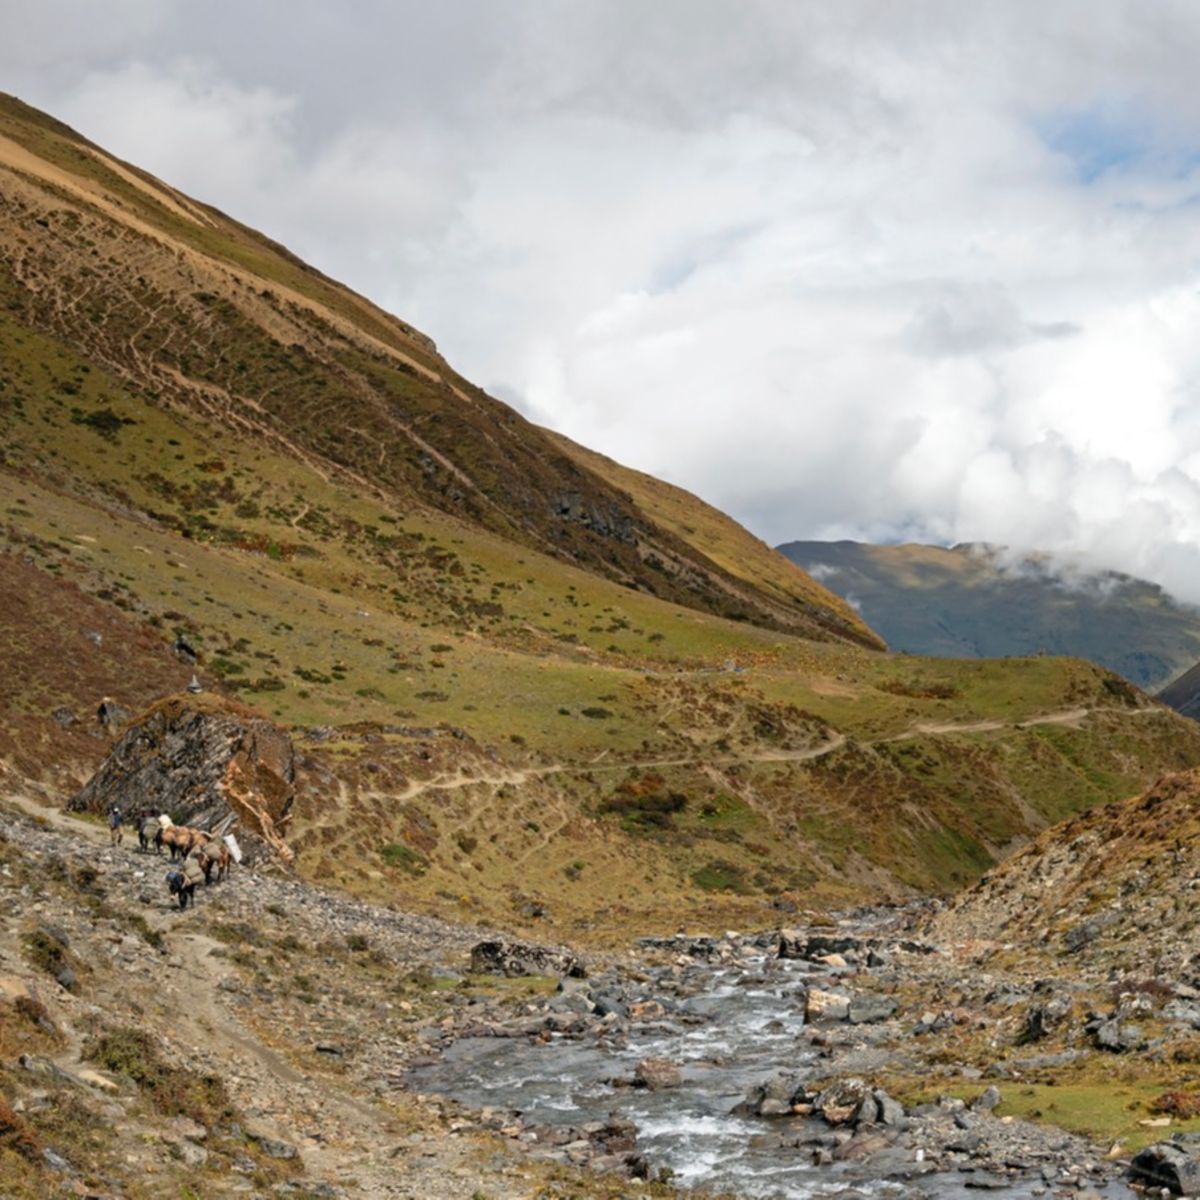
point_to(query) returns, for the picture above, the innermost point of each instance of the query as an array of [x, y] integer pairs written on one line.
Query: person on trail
[[115, 821]]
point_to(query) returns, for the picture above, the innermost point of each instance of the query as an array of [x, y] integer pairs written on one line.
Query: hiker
[[213, 853], [115, 821]]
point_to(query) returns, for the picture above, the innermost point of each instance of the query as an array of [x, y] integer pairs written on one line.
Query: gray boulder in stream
[[771, 1098], [656, 1074]]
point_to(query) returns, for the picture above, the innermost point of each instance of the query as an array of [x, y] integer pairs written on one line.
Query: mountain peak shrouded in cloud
[[981, 600], [919, 272]]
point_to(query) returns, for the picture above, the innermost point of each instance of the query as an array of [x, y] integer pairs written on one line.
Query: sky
[[891, 271]]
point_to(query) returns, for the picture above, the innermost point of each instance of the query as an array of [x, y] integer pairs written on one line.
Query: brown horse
[[180, 840], [213, 853]]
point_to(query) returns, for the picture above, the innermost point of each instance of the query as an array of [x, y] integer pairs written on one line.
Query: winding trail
[[1069, 717]]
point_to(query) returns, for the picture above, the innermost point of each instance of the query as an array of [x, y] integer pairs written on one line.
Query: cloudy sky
[[890, 270]]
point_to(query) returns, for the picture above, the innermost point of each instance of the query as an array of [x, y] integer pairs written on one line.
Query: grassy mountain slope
[[524, 682], [723, 540], [971, 601], [198, 312]]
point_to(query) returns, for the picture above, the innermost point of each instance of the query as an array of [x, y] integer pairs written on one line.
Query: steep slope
[[977, 601], [725, 542], [1183, 693], [1114, 889], [196, 312], [521, 680]]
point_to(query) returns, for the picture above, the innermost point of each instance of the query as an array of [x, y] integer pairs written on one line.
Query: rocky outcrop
[[499, 956], [1169, 1165], [200, 760]]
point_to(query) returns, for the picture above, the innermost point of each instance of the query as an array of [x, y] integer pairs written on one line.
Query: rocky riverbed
[[746, 1063], [383, 1054]]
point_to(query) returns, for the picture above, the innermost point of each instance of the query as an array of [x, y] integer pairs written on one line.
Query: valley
[[511, 689]]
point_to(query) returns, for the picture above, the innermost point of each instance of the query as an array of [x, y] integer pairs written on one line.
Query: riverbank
[[380, 1057]]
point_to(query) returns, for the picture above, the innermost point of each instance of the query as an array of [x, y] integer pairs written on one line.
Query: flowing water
[[740, 1025]]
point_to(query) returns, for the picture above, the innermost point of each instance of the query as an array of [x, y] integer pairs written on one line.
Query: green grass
[[1107, 1110]]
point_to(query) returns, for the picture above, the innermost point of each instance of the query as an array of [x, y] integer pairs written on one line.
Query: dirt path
[[54, 816], [1069, 717]]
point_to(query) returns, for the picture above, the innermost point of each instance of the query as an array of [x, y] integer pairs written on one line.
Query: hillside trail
[[1069, 717], [52, 813], [192, 992], [265, 1083]]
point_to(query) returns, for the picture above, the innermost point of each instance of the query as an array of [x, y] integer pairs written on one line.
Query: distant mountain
[[1183, 693], [977, 601]]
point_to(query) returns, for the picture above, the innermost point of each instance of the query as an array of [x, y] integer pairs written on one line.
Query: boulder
[[201, 759], [1183, 1011], [771, 1098], [867, 1008], [1113, 1035], [1168, 1165], [1087, 931], [1044, 1019], [656, 1074], [500, 956], [274, 1148], [842, 1102], [826, 1006], [798, 943]]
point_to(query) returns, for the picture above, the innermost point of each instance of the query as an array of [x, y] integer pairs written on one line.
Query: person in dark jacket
[[115, 821]]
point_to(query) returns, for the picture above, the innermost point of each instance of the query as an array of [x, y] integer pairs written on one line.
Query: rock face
[[200, 759], [502, 957]]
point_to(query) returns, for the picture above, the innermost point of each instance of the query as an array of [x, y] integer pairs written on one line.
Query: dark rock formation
[[502, 957], [1168, 1165], [200, 759]]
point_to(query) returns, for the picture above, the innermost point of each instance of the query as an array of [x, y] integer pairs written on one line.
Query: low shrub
[[721, 876], [16, 1135], [173, 1090], [1184, 1105], [48, 953], [405, 858]]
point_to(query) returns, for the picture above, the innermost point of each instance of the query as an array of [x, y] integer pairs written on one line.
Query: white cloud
[[889, 271]]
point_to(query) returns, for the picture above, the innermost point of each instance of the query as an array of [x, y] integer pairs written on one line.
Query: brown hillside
[[201, 314], [1118, 887]]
